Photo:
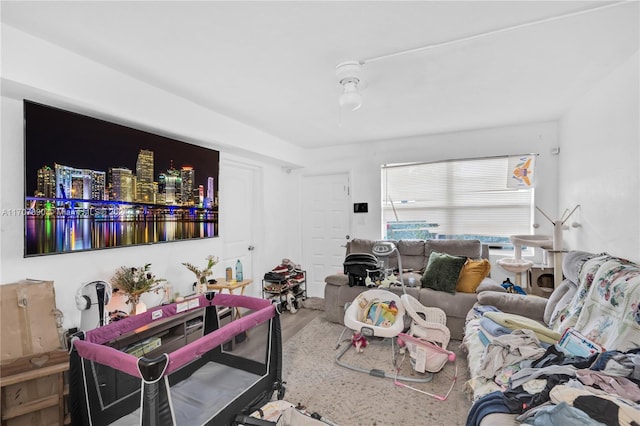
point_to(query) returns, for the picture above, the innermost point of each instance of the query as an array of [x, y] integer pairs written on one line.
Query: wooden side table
[[222, 285]]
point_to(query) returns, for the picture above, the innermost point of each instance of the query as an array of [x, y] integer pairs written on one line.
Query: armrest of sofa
[[337, 279], [528, 306], [488, 284]]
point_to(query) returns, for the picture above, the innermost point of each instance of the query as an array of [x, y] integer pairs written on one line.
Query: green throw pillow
[[442, 272]]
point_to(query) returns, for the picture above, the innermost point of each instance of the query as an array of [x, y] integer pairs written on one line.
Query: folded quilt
[[606, 307], [515, 322], [482, 309], [493, 327], [484, 335]]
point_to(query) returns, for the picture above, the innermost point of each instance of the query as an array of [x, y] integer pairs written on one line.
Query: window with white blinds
[[455, 199]]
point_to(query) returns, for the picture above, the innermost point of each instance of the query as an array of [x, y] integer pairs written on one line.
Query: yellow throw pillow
[[472, 274]]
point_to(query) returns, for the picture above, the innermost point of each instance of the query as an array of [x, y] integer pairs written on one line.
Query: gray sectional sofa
[[414, 257]]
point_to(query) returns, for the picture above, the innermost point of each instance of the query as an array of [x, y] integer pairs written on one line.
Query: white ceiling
[[272, 64]]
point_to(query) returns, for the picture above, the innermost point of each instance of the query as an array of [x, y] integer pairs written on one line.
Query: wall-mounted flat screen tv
[[92, 184]]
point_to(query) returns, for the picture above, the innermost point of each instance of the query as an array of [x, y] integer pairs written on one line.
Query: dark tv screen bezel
[[82, 142]]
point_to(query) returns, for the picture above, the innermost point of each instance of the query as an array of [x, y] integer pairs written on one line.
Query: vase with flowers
[[134, 282], [202, 274]]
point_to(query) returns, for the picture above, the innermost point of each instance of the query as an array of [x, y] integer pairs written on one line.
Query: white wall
[[599, 158], [76, 83], [42, 71], [597, 167], [363, 161]]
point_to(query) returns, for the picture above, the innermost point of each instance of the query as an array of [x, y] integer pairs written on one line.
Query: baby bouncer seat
[[426, 341], [428, 328], [377, 314], [426, 323]]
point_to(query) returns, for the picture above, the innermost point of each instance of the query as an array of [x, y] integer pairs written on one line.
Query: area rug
[[351, 398]]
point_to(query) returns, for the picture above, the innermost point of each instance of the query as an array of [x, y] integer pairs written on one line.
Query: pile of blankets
[[533, 377], [517, 365]]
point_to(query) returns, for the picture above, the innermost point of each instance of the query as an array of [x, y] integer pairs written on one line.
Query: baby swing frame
[[432, 357], [427, 331], [369, 330]]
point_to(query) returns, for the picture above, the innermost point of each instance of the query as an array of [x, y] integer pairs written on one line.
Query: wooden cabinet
[[162, 336]]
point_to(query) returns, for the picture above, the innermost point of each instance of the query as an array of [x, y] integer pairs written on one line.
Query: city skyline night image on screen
[[92, 184]]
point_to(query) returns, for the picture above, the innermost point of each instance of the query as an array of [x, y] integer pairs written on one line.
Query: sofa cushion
[[443, 271], [490, 285], [358, 245], [455, 305], [465, 248], [337, 279], [528, 306], [411, 247], [412, 253], [472, 274]]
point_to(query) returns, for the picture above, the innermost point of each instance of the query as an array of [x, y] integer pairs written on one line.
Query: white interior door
[[325, 227], [238, 208]]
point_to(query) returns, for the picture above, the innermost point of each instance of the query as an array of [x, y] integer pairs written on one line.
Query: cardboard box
[[27, 319], [35, 401], [32, 362]]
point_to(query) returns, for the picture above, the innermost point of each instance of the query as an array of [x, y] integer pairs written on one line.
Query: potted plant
[[202, 274], [134, 282]]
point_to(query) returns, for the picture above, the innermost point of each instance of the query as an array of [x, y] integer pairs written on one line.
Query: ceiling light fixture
[[350, 79]]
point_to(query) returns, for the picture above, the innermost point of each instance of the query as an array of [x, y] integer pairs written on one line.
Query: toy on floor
[[283, 413], [359, 342]]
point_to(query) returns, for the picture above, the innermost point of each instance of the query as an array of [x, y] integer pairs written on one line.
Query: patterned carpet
[[350, 398]]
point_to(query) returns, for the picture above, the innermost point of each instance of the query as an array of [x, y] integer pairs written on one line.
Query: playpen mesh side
[[208, 381]]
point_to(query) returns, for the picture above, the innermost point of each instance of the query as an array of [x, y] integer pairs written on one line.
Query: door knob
[[250, 248], [347, 236]]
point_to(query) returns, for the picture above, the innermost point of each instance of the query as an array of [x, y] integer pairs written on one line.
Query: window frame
[[389, 208]]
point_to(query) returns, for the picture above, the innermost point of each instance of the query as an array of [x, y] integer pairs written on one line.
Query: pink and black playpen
[[228, 371]]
